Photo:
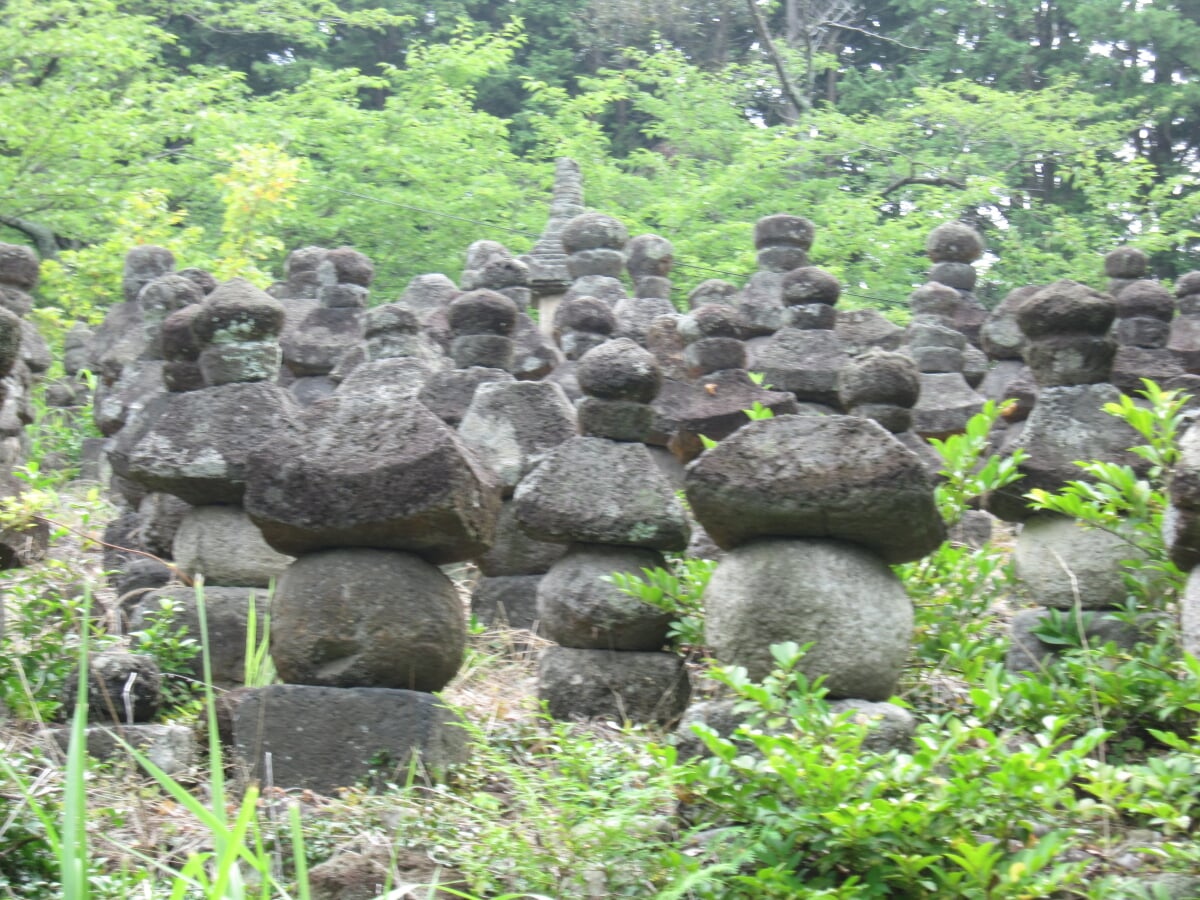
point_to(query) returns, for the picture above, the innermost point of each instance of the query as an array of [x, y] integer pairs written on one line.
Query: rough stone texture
[[1029, 653], [715, 290], [227, 615], [237, 311], [366, 618], [196, 445], [619, 370], [511, 425], [809, 284], [1133, 364], [760, 305], [879, 377], [170, 747], [848, 603], [1065, 307], [889, 727], [428, 293], [714, 407], [785, 230], [861, 329], [635, 315], [592, 231], [18, 266], [118, 403], [323, 738], [945, 405], [616, 420], [448, 394], [143, 264], [1060, 563], [119, 340], [315, 344], [301, 271], [634, 687], [159, 516], [513, 552], [959, 275], [1147, 299], [650, 256], [954, 242], [1000, 336], [110, 673], [481, 312], [534, 356], [597, 491], [1125, 262], [806, 363], [578, 606], [509, 600], [372, 471], [10, 340], [240, 362], [1067, 424], [223, 545], [816, 477], [1071, 359]]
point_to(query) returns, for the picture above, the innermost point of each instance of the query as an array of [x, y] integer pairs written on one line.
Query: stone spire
[[547, 260]]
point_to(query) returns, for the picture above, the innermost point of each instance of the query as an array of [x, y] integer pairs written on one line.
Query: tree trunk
[[43, 238]]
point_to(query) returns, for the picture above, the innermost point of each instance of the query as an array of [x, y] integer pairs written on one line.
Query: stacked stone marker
[[805, 354], [18, 547], [603, 494], [1009, 381], [811, 511], [481, 325], [946, 402], [510, 427], [128, 375], [1143, 328], [547, 261], [952, 248], [782, 242], [491, 267], [580, 323], [1181, 527], [1184, 340], [1060, 564], [319, 332], [193, 444], [372, 492], [18, 276], [649, 260], [712, 402]]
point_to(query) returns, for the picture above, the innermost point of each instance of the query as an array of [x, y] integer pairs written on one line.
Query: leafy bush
[[806, 808]]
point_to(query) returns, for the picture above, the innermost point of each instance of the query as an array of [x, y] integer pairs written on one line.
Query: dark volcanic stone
[[1066, 307], [816, 477], [810, 285], [372, 471], [634, 687], [324, 738], [598, 491], [195, 445], [954, 242], [579, 607], [366, 618], [619, 370]]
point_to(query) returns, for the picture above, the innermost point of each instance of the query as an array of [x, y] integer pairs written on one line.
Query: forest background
[[234, 130]]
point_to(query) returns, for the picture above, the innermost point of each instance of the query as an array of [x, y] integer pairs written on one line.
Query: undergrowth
[[1079, 780]]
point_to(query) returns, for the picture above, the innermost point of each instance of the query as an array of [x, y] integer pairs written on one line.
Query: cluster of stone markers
[[350, 453]]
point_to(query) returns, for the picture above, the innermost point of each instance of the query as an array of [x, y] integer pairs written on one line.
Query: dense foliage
[[1060, 129]]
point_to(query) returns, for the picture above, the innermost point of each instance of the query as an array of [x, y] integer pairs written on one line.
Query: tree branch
[[789, 90], [43, 237], [931, 180], [877, 36]]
